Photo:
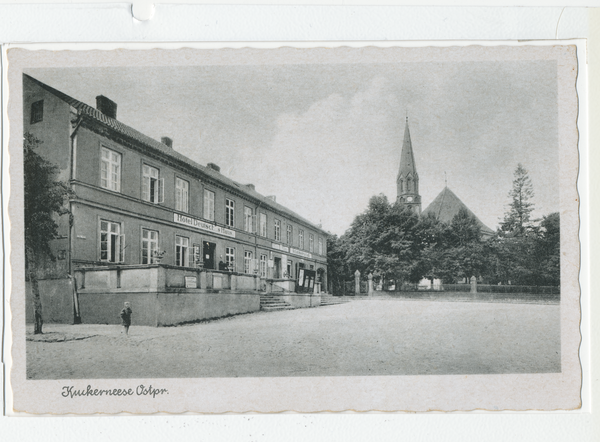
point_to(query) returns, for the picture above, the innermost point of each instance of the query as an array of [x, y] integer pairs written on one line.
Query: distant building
[[444, 207], [140, 204]]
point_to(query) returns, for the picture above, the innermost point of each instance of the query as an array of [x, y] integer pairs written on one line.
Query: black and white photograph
[[302, 215]]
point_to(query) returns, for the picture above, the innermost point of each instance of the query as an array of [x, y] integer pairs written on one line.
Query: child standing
[[126, 317]]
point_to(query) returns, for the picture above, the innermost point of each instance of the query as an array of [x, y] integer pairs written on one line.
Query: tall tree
[[517, 220], [45, 199]]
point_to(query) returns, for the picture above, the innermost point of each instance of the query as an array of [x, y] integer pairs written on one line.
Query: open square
[[370, 337]]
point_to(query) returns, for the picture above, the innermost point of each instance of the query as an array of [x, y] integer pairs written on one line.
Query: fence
[[349, 289]]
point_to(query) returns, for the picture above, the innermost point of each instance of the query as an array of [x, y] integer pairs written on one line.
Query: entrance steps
[[327, 299], [270, 302]]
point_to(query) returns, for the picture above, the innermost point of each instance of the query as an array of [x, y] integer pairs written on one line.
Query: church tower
[[408, 179]]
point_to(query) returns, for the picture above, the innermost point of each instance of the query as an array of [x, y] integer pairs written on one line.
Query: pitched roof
[[407, 158], [131, 133], [447, 205]]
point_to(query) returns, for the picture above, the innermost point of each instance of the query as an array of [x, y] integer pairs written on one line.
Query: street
[[377, 337]]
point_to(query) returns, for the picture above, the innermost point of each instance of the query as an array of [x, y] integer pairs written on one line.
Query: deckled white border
[[282, 381]]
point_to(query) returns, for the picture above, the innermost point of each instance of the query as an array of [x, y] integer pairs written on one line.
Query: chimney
[[272, 198], [106, 106], [168, 141], [251, 186], [214, 167]]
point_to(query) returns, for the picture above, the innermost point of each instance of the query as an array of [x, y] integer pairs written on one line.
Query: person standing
[[126, 317]]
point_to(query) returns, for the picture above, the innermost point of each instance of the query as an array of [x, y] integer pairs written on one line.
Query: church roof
[[447, 205], [407, 159]]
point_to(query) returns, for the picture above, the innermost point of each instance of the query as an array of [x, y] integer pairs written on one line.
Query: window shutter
[[121, 248], [161, 191], [146, 188]]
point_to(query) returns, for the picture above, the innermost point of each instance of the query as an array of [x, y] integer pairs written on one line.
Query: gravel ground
[[354, 339]]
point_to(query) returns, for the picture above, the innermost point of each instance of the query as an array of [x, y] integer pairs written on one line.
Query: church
[[444, 207]]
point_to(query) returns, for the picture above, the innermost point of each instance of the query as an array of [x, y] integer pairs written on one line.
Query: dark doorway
[[277, 269], [208, 253]]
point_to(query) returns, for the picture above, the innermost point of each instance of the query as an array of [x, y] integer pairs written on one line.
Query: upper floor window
[[311, 243], [152, 186], [248, 219], [37, 112], [209, 205], [182, 250], [320, 246], [149, 246], [110, 170], [289, 232], [277, 230], [301, 239], [229, 211], [112, 243], [181, 195], [263, 224]]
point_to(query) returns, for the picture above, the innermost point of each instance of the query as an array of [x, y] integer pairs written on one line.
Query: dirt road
[[359, 338]]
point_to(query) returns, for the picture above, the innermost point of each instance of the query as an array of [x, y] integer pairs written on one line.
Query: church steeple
[[408, 180]]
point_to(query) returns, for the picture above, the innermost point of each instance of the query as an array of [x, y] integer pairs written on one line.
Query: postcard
[[365, 227]]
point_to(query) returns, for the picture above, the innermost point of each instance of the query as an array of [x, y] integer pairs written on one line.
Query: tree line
[[394, 243]]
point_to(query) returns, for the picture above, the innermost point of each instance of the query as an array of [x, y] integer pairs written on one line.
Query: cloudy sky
[[325, 138]]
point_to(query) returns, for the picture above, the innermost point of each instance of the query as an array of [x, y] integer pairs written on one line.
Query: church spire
[[408, 179]]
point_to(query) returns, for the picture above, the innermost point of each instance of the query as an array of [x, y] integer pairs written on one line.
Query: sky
[[325, 138]]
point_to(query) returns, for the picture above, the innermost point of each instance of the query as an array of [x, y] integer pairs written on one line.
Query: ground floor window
[[290, 266], [248, 262], [230, 258], [149, 246], [112, 243], [182, 246], [263, 266]]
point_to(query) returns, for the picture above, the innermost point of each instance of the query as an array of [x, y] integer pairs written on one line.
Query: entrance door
[[277, 269], [208, 253]]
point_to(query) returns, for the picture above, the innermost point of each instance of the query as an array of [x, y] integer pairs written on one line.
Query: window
[[37, 112], [152, 187], [229, 209], [263, 266], [248, 219], [209, 205], [263, 224], [248, 268], [277, 230], [230, 258], [182, 247], [320, 246], [311, 242], [149, 246], [110, 171], [288, 238], [112, 243], [181, 195], [301, 239], [290, 266], [197, 260]]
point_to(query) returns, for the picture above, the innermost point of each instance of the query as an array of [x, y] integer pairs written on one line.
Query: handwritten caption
[[140, 390]]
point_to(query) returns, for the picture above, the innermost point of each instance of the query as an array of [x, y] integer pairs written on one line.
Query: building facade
[[140, 202]]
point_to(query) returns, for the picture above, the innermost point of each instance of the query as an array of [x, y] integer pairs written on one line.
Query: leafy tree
[[547, 250], [517, 220], [44, 200]]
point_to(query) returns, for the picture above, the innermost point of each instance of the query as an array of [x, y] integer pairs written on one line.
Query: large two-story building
[[138, 202]]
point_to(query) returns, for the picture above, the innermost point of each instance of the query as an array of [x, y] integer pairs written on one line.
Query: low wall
[[156, 309], [467, 296], [302, 300], [175, 308], [57, 301]]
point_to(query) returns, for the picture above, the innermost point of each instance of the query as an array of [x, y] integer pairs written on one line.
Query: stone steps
[[270, 302]]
